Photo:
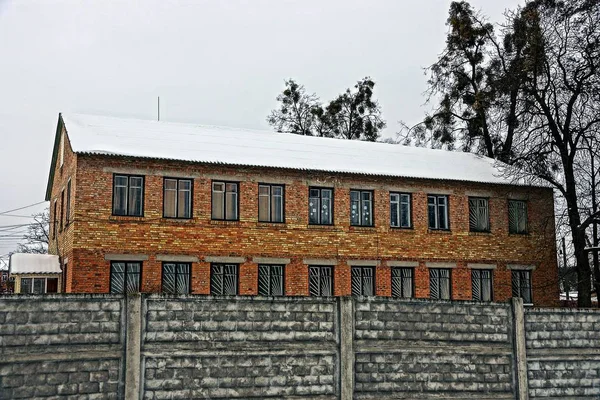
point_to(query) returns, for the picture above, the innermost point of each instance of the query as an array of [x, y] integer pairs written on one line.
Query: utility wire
[[21, 208]]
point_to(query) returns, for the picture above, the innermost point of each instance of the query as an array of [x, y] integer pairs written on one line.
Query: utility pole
[[565, 273], [595, 229]]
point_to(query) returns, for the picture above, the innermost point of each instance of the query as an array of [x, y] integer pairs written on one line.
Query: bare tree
[[296, 111], [37, 236]]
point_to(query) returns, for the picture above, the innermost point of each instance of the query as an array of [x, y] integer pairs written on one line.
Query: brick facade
[[93, 232]]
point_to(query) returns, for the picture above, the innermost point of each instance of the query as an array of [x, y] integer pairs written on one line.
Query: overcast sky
[[213, 62]]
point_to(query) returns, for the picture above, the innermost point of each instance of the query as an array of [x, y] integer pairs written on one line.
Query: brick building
[[154, 206]]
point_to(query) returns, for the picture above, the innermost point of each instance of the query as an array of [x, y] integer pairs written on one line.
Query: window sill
[[361, 228], [401, 229], [439, 231], [524, 234], [224, 222], [480, 233], [178, 220], [320, 226], [125, 218], [263, 224]]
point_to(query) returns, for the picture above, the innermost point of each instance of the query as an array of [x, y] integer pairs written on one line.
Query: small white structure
[[35, 273]]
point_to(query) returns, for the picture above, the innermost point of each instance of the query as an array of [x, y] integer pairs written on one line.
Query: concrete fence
[[162, 347]]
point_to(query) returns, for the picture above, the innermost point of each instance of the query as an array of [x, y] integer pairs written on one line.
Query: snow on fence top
[[24, 263], [210, 144]]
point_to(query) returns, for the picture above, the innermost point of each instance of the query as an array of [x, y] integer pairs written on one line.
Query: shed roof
[[24, 263]]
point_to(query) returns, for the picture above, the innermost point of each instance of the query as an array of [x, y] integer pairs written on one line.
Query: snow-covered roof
[[210, 144], [24, 263]]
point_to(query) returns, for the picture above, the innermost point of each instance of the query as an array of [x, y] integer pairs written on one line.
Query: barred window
[[270, 203], [521, 285], [437, 210], [125, 277], [400, 210], [402, 282], [363, 281], [439, 283], [225, 201], [128, 195], [270, 280], [177, 199], [320, 280], [479, 214], [320, 206], [224, 279], [176, 278], [517, 216], [481, 284], [361, 207]]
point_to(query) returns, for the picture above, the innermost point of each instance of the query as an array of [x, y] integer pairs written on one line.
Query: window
[[521, 285], [437, 207], [402, 282], [361, 207], [177, 199], [479, 214], [34, 285], [62, 209], [224, 279], [55, 218], [270, 280], [270, 203], [125, 277], [517, 216], [363, 281], [128, 195], [320, 280], [400, 210], [68, 212], [320, 206], [225, 201], [481, 284], [439, 283], [176, 278]]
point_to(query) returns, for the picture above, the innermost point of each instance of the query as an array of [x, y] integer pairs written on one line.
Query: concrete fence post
[[520, 350], [346, 348], [133, 346]]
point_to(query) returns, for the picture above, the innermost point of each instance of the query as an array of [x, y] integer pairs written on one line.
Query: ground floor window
[[224, 279], [176, 278], [403, 282], [270, 280], [320, 280], [125, 277], [439, 283], [39, 285], [481, 284], [363, 281], [521, 285]]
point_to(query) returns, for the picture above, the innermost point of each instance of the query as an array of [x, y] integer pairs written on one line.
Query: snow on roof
[[210, 144], [24, 263]]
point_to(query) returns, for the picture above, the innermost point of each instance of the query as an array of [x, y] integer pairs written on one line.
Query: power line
[[21, 208], [16, 216]]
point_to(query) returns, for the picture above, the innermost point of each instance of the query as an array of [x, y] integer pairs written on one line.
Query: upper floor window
[[403, 282], [439, 283], [320, 280], [125, 277], [62, 209], [68, 211], [481, 284], [400, 210], [55, 219], [437, 210], [320, 206], [479, 214], [363, 281], [224, 279], [517, 216], [225, 201], [177, 198], [270, 280], [128, 195], [176, 278], [361, 207], [521, 285], [270, 203]]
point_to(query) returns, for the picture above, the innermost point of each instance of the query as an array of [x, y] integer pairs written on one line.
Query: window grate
[[125, 277], [481, 284], [402, 282], [439, 283], [320, 280], [517, 216], [363, 281], [176, 278], [479, 215], [270, 280], [224, 279], [521, 285]]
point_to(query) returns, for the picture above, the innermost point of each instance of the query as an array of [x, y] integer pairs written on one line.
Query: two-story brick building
[[155, 206]]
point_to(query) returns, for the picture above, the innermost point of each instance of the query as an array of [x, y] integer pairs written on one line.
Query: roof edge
[[59, 125]]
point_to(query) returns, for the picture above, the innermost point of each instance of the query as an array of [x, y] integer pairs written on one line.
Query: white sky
[[210, 61]]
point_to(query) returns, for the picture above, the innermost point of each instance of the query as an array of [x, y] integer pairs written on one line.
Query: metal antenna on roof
[[159, 108]]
